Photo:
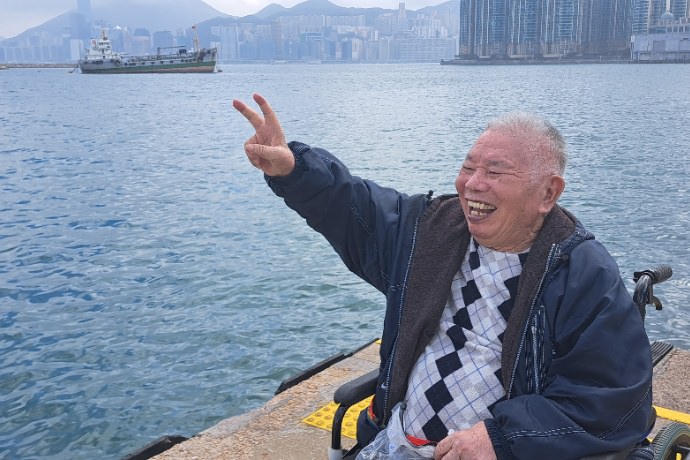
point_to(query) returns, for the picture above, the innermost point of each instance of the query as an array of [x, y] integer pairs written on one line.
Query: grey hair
[[545, 142]]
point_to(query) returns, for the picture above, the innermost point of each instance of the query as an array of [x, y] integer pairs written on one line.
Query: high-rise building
[[80, 20], [141, 41], [163, 39], [646, 13], [560, 27], [606, 27], [466, 29], [229, 42], [548, 28], [617, 29], [523, 35], [483, 30], [679, 8], [84, 8]]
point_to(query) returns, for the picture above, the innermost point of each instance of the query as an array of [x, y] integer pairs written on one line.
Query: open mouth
[[479, 209]]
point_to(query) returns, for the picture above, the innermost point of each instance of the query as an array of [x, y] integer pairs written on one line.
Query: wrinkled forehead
[[492, 159], [497, 147]]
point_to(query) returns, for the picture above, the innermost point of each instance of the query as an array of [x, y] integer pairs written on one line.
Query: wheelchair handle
[[644, 286], [659, 274]]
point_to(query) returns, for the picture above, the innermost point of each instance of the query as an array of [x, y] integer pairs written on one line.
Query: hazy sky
[[18, 15]]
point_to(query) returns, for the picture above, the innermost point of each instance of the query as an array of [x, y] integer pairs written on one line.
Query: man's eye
[[467, 169]]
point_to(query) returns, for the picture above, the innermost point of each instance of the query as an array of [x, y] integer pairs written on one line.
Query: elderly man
[[508, 332]]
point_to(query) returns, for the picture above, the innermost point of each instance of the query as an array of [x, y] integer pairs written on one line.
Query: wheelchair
[[672, 442]]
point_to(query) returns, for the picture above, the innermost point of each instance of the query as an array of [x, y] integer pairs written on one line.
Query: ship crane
[[195, 40], [181, 50]]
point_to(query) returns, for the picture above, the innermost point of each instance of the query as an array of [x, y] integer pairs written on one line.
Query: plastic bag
[[392, 444]]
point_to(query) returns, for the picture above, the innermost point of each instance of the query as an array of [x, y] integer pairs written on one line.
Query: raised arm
[[266, 149]]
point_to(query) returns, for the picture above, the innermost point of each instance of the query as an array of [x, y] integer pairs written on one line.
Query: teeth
[[477, 208], [480, 205]]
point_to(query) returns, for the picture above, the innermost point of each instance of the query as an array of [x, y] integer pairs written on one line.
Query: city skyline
[[323, 31], [16, 16]]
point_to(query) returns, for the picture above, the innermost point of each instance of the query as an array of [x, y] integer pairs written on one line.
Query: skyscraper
[[607, 27], [680, 8], [80, 20], [553, 28], [524, 31], [646, 13], [561, 27], [483, 28], [84, 8]]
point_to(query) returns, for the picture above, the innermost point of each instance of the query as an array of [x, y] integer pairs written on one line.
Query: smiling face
[[504, 193]]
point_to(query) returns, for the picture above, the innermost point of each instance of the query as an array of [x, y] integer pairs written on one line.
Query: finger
[[261, 151], [442, 448], [266, 109], [256, 153], [238, 105], [253, 155], [254, 118]]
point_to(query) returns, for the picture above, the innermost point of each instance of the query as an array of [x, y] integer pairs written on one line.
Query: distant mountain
[[151, 15], [133, 14], [186, 13], [269, 11], [53, 26], [312, 7], [319, 7], [326, 7], [449, 6]]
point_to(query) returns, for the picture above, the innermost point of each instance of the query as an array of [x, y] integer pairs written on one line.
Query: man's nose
[[476, 181]]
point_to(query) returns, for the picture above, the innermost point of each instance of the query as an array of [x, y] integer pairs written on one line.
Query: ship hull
[[147, 67]]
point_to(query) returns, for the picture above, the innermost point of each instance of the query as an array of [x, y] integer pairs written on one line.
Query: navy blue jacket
[[576, 361]]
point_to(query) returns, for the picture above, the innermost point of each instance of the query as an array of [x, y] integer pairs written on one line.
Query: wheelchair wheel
[[672, 442]]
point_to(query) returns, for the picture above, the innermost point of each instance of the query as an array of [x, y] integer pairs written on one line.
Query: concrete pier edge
[[276, 430]]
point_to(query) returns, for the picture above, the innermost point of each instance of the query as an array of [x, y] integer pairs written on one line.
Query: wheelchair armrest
[[347, 395], [355, 390]]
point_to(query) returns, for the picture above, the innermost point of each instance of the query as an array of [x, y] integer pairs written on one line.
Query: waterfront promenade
[[277, 430], [59, 65]]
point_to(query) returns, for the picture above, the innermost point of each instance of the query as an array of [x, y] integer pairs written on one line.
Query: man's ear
[[553, 187]]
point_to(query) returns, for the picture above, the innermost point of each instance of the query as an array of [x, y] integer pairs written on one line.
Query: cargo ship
[[100, 58]]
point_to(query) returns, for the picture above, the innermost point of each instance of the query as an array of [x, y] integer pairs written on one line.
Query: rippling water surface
[[151, 284]]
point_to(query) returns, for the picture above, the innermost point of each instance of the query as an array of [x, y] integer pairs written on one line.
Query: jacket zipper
[[537, 349], [549, 263], [386, 384]]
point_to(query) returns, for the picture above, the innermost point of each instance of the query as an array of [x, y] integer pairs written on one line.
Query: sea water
[[151, 284]]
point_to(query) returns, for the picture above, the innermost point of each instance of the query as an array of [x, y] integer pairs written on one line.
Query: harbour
[[151, 284]]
